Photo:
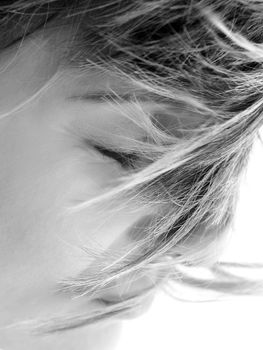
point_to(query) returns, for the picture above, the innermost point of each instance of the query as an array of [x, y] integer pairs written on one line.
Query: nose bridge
[[134, 238], [130, 286], [138, 229], [131, 228]]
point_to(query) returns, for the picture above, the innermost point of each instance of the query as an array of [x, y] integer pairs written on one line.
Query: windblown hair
[[200, 63]]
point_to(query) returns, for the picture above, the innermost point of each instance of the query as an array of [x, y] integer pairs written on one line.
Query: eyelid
[[126, 160]]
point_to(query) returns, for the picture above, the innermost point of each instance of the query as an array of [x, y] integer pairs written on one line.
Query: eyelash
[[126, 160]]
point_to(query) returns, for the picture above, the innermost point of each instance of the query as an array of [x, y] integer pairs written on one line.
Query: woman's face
[[44, 170]]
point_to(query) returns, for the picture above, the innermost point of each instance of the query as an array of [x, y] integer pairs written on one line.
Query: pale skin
[[43, 171]]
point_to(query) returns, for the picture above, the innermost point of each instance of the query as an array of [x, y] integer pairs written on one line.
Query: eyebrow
[[104, 96]]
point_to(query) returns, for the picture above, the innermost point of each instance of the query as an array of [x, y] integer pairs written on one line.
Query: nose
[[127, 289], [132, 284]]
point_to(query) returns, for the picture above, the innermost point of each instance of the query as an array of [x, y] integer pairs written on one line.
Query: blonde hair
[[195, 60]]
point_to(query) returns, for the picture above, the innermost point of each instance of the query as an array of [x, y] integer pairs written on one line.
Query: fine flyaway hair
[[198, 63]]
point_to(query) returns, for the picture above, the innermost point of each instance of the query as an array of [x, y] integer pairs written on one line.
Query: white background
[[232, 324]]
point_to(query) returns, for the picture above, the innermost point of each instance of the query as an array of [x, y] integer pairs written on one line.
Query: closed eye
[[126, 160]]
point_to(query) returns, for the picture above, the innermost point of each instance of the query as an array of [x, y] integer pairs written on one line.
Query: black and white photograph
[[131, 174]]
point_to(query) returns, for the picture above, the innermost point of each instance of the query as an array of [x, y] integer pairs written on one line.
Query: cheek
[[39, 244], [40, 176]]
